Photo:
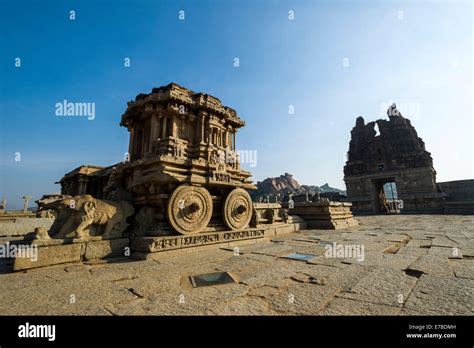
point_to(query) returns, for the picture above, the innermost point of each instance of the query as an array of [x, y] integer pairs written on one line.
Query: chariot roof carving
[[176, 94]]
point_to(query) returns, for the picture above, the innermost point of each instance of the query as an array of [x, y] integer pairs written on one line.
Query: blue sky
[[416, 53]]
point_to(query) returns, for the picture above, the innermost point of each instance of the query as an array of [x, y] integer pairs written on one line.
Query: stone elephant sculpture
[[85, 216]]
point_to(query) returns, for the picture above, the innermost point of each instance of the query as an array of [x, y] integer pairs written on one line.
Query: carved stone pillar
[[130, 144], [158, 126], [174, 127], [184, 131], [226, 137], [154, 128], [81, 190], [202, 125], [163, 131]]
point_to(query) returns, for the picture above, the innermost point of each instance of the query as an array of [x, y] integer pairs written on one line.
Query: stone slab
[[432, 265], [51, 255], [383, 286], [463, 268], [155, 287], [436, 295], [343, 306]]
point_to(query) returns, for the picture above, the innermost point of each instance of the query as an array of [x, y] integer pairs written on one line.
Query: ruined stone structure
[[396, 155], [268, 213], [26, 202], [325, 214], [86, 180]]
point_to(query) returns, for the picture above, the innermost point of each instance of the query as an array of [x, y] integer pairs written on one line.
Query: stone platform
[[57, 251], [325, 215], [408, 269], [141, 246], [52, 252]]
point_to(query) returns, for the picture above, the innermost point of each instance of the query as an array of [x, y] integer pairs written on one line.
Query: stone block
[[285, 229], [51, 255], [325, 215], [106, 248], [158, 244]]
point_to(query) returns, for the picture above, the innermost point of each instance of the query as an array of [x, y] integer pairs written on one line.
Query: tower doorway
[[386, 200]]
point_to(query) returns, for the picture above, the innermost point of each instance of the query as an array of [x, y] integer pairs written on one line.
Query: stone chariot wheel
[[189, 209], [237, 209]]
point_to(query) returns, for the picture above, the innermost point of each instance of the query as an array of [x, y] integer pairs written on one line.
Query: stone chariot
[[183, 168]]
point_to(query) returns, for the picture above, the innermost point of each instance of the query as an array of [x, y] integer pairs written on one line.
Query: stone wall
[[459, 190], [459, 196]]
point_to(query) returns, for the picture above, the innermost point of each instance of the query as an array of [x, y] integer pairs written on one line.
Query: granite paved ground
[[412, 265]]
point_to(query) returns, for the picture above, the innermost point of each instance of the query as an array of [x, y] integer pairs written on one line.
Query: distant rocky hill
[[285, 184]]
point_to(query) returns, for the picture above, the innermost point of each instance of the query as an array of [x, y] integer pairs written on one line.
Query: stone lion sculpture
[[85, 216]]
